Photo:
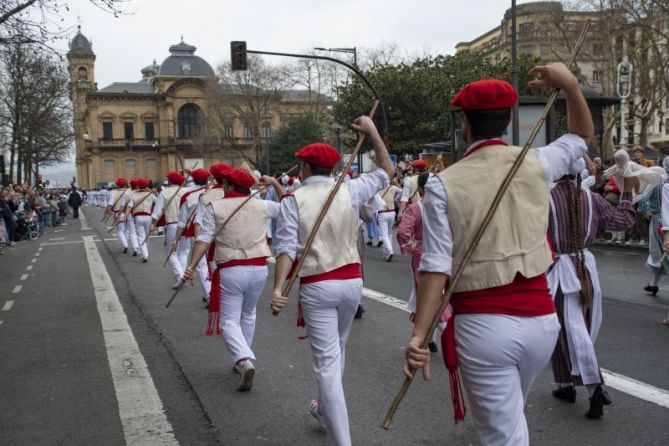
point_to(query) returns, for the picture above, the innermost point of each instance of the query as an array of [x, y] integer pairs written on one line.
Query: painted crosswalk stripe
[[140, 408], [8, 305], [17, 289]]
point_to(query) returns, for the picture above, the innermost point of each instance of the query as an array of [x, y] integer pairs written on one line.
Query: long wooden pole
[[326, 207], [481, 230], [225, 223], [136, 205]]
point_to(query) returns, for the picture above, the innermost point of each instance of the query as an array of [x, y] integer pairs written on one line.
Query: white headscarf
[[649, 177]]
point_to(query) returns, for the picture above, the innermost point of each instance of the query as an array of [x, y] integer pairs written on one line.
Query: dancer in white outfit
[[165, 214], [139, 205], [241, 253], [504, 326], [330, 279]]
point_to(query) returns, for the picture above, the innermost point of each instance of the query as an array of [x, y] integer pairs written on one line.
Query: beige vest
[[515, 241], [388, 198], [145, 205], [245, 235], [192, 200], [413, 187], [212, 195], [171, 196], [335, 242], [117, 204]]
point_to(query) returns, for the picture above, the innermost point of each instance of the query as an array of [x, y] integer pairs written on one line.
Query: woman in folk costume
[[241, 253], [665, 227], [575, 216], [648, 177], [410, 238], [651, 208]]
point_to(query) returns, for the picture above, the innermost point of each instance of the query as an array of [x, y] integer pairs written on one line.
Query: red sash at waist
[[350, 271]]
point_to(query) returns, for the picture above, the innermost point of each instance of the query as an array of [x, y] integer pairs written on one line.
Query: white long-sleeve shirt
[[556, 159], [183, 209], [208, 225], [665, 207], [361, 189]]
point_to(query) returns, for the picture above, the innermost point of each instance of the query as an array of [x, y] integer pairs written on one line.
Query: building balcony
[[123, 144]]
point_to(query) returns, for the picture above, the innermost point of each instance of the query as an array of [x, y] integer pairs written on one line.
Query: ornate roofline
[[198, 82]]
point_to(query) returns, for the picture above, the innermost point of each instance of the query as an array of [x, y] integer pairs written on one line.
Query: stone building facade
[[146, 128]]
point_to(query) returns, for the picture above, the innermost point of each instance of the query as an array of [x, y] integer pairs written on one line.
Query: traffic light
[[238, 56]]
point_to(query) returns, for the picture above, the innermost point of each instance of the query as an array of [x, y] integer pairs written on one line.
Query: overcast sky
[[128, 43]]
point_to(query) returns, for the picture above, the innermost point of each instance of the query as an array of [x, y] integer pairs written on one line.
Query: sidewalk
[[634, 248]]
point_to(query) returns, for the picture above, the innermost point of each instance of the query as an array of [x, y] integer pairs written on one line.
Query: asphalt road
[[56, 386]]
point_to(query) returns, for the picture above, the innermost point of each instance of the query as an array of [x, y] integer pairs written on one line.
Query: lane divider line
[[24, 276], [33, 261], [29, 267], [17, 289], [8, 305], [140, 407]]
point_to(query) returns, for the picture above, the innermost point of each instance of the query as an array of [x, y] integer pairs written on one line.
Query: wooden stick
[[106, 217], [326, 207], [237, 209], [481, 230], [164, 208]]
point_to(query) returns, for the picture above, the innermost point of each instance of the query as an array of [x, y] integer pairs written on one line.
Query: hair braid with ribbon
[[576, 234]]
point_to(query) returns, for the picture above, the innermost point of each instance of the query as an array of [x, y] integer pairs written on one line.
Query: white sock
[[655, 280]]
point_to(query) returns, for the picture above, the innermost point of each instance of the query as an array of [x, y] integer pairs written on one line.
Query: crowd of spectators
[[28, 213]]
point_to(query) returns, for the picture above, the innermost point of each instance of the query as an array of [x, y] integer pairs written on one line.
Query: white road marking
[[29, 267], [614, 380], [59, 230], [53, 239], [636, 388], [24, 276], [385, 299], [84, 223], [17, 289], [33, 261], [0, 322], [37, 254], [8, 305], [140, 408], [39, 249]]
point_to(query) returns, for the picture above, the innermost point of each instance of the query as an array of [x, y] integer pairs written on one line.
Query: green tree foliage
[[417, 96], [298, 132]]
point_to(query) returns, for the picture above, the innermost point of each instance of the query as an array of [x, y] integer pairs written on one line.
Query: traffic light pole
[[384, 117]]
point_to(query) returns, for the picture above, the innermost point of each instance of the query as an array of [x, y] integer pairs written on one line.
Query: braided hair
[[576, 234]]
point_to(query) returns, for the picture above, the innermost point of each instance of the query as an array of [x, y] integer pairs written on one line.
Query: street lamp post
[[623, 89]]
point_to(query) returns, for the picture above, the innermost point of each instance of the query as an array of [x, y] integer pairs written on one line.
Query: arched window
[[189, 121]]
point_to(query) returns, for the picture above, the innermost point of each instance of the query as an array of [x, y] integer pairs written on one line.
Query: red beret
[[175, 177], [142, 183], [419, 164], [122, 182], [319, 154], [486, 94], [217, 170], [133, 183], [200, 175], [239, 178]]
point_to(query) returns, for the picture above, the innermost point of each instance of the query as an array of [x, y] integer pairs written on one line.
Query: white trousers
[[241, 287], [183, 253], [142, 223], [175, 264], [499, 358], [329, 307], [132, 234], [386, 221], [121, 233]]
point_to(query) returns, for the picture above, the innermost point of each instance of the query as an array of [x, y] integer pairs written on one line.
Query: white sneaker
[[246, 371], [315, 412], [643, 242], [630, 242]]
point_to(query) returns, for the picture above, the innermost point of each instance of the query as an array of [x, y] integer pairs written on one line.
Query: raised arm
[[366, 125]]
